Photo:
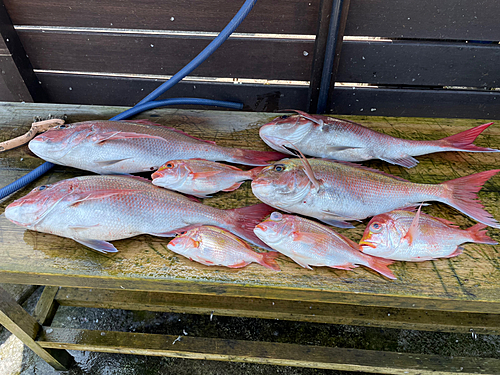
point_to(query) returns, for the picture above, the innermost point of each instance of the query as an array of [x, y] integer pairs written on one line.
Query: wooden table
[[450, 295]]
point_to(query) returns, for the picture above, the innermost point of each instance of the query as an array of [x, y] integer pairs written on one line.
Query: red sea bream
[[337, 192], [93, 210], [416, 237], [109, 147], [331, 138]]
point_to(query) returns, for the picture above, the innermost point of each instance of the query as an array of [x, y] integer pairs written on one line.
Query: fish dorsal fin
[[353, 244], [448, 223], [359, 166], [306, 116], [412, 233], [151, 123], [307, 167]]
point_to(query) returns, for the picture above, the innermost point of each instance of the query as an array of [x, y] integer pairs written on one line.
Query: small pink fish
[[311, 244], [200, 177], [331, 138], [415, 237], [109, 147], [214, 246], [95, 209]]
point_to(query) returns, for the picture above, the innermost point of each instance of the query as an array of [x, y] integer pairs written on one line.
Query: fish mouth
[[261, 227], [367, 243], [156, 175]]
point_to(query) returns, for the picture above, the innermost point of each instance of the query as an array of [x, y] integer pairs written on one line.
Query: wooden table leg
[[25, 327]]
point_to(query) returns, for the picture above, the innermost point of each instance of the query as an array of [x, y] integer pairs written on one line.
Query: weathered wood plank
[[46, 307], [17, 80], [265, 353], [267, 16], [446, 19], [403, 102], [280, 59], [468, 283], [381, 101], [418, 63], [25, 327], [331, 313], [106, 90]]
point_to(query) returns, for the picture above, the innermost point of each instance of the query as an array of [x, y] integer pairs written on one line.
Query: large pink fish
[[336, 192], [311, 244], [201, 177], [331, 138], [95, 209], [213, 246], [108, 147], [415, 237]]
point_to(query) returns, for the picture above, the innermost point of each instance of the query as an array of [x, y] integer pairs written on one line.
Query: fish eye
[[43, 187], [276, 216], [284, 116], [63, 126], [376, 227], [169, 165], [279, 167]]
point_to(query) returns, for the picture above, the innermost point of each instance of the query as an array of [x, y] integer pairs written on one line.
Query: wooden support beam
[[265, 353], [47, 306], [18, 82], [25, 327], [425, 320]]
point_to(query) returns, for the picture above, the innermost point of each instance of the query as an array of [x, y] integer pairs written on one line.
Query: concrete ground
[[15, 359]]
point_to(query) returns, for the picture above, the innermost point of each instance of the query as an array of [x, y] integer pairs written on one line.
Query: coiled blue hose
[[149, 101]]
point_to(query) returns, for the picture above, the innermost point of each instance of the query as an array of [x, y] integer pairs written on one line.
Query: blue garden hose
[[149, 101], [203, 55]]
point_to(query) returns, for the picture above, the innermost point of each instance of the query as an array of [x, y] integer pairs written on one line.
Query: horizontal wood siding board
[[417, 63], [81, 89], [158, 54], [416, 103], [445, 19], [267, 16]]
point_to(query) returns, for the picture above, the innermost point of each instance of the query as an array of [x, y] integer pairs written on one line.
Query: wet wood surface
[[344, 359], [468, 283]]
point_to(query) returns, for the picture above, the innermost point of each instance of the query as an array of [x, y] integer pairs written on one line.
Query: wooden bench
[[361, 57], [450, 295]]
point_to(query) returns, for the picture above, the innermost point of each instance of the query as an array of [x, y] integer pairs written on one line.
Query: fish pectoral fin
[[334, 220], [234, 186], [310, 238], [336, 148], [174, 232], [100, 195], [106, 163], [347, 266], [118, 136], [405, 161], [412, 233], [79, 228], [98, 245], [301, 262], [206, 174], [201, 260], [338, 223]]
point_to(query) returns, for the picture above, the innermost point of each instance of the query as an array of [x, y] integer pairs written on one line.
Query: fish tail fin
[[380, 265], [269, 261], [461, 194], [254, 172], [478, 234], [253, 157], [242, 221], [463, 141]]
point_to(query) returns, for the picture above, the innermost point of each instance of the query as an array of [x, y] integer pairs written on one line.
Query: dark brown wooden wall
[[399, 57]]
